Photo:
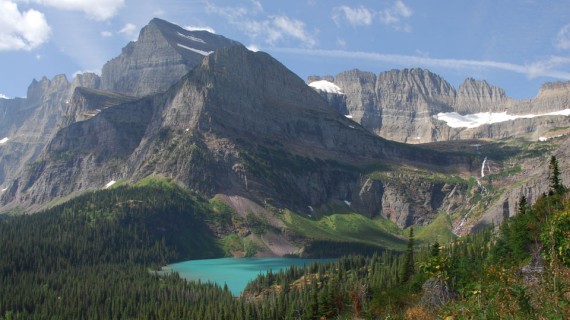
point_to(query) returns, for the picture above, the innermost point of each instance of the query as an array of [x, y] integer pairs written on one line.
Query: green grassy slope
[[350, 227]]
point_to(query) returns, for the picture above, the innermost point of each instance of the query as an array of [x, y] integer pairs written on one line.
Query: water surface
[[235, 272]]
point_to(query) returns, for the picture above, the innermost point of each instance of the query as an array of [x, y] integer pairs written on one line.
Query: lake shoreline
[[236, 273]]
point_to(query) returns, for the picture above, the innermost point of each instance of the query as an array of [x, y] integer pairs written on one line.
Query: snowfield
[[204, 53], [195, 39], [326, 86], [455, 120], [4, 140], [108, 185]]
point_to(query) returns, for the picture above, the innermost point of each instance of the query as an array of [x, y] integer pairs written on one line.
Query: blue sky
[[514, 44]]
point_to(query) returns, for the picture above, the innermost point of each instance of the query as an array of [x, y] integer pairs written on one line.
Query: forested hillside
[[94, 258]]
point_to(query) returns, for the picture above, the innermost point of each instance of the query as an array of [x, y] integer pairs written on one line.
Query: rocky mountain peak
[[360, 99], [417, 80], [163, 53], [39, 90], [479, 96], [86, 80], [313, 78], [554, 88]]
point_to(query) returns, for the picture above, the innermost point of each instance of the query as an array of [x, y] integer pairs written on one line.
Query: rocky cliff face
[[33, 122], [475, 96], [163, 53], [552, 96], [401, 105], [239, 124], [86, 103], [396, 105], [30, 123], [359, 92], [408, 98]]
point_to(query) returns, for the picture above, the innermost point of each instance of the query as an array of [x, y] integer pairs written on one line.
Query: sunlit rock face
[[163, 53], [418, 106]]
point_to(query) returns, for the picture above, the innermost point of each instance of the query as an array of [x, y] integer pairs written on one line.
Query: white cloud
[[78, 72], [95, 9], [395, 15], [563, 38], [106, 34], [402, 9], [21, 30], [196, 28], [128, 29], [253, 47], [3, 96], [554, 67], [360, 16], [273, 29], [287, 27]]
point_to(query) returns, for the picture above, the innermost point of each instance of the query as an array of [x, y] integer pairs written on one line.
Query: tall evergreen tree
[[408, 269], [522, 206], [556, 186]]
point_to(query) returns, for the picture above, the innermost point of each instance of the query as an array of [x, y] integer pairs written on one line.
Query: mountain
[[240, 124], [28, 124], [475, 96], [163, 53], [408, 106], [240, 128]]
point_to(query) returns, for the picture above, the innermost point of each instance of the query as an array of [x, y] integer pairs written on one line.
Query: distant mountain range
[[217, 118], [418, 106]]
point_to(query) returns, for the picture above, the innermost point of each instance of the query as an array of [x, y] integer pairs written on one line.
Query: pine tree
[[408, 269], [522, 206], [435, 249], [556, 186]]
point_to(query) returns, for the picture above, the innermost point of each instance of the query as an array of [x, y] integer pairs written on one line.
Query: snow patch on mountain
[[108, 185], [543, 139], [455, 120], [4, 140], [327, 86], [204, 53], [189, 37]]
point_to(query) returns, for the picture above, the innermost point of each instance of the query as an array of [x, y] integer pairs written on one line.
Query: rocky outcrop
[[86, 103], [85, 80], [359, 90], [398, 104], [163, 53], [475, 96], [408, 199], [408, 99], [35, 123], [84, 155], [30, 123], [553, 96], [402, 105], [532, 182]]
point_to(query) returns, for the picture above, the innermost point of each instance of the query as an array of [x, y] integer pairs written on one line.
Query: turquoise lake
[[235, 272]]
